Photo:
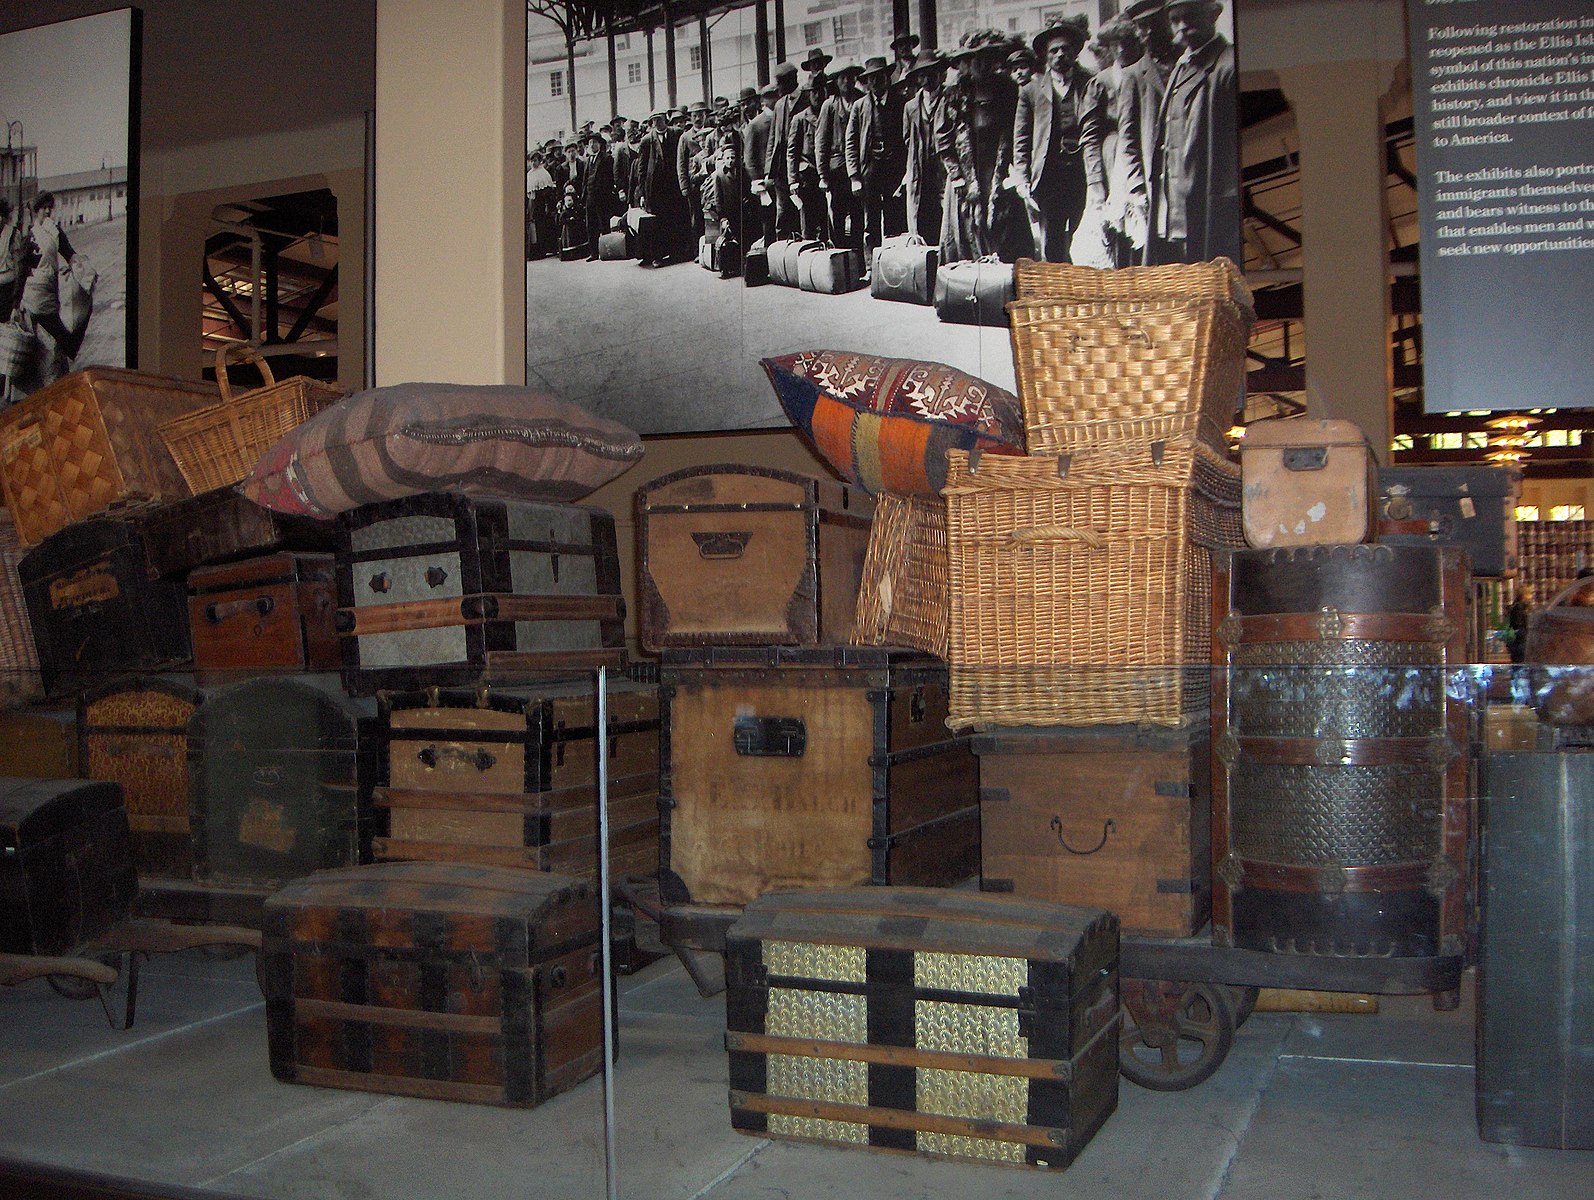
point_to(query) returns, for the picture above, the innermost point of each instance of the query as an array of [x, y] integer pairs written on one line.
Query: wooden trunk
[[137, 735], [1473, 508], [1109, 817], [88, 441], [220, 526], [450, 590], [508, 777], [955, 1025], [830, 767], [748, 556], [1307, 483], [98, 610], [280, 777], [1341, 781], [442, 981], [39, 743], [265, 615], [66, 869]]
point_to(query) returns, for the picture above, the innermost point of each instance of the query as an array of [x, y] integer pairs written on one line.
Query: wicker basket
[[1219, 279], [902, 599], [1095, 371], [217, 446], [19, 659], [1084, 597]]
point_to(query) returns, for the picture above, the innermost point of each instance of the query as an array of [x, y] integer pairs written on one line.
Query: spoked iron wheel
[[1175, 1035]]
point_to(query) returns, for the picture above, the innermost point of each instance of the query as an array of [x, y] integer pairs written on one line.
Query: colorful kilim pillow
[[887, 423]]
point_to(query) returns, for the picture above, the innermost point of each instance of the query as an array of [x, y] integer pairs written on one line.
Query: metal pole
[[669, 55], [900, 11], [927, 24], [611, 1174], [614, 75], [705, 61], [761, 40], [653, 81], [780, 30]]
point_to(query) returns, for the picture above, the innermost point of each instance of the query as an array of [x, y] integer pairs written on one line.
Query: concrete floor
[[1306, 1106]]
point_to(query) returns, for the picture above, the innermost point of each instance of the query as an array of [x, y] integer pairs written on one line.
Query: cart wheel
[[1244, 999], [1175, 1035]]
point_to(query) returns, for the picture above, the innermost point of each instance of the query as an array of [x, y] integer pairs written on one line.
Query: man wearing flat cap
[[1050, 146], [694, 155], [774, 172], [661, 192], [830, 149], [877, 156], [597, 190], [1195, 179]]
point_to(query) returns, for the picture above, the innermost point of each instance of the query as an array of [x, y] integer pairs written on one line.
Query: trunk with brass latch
[[271, 614]]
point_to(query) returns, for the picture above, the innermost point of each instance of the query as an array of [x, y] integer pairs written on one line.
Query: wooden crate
[[1112, 817]]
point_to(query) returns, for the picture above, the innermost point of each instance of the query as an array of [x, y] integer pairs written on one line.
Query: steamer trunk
[[97, 608], [442, 981], [270, 614], [749, 556], [1342, 782], [1111, 817], [955, 1025], [66, 868], [789, 768], [447, 590], [280, 776], [136, 734], [220, 526], [1473, 508], [509, 777]]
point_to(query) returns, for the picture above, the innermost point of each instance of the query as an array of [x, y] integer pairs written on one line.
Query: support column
[[669, 56], [780, 30], [1344, 232], [901, 15], [705, 58], [653, 79], [761, 40], [928, 19], [614, 74], [450, 105]]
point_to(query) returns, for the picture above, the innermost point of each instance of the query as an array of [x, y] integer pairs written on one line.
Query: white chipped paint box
[[1307, 483]]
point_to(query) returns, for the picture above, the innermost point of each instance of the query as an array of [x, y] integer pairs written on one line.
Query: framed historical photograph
[[679, 157], [68, 198]]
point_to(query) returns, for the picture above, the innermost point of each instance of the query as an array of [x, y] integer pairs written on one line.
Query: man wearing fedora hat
[[1050, 146], [597, 190], [925, 177], [755, 146], [661, 192], [877, 155], [774, 170], [1195, 180], [830, 148], [1145, 82], [902, 57], [802, 163]]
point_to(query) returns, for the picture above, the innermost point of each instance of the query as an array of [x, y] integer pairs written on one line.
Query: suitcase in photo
[[755, 265], [708, 256], [792, 768], [1114, 817], [1307, 483], [97, 609], [443, 981], [280, 772], [267, 615], [752, 556], [88, 441], [1470, 507], [1535, 1045], [643, 228], [66, 870], [449, 590], [615, 245], [830, 271], [783, 268], [904, 269], [952, 1024], [508, 777], [220, 526], [974, 293], [573, 253]]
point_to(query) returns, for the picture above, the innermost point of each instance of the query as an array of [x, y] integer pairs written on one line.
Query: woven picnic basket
[[19, 660], [1080, 588], [1168, 369], [1219, 279], [217, 446], [902, 598]]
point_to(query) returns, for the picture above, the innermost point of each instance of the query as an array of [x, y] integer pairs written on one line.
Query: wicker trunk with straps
[[902, 599]]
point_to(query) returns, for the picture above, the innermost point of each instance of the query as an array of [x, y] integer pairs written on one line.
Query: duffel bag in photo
[[904, 269], [830, 271], [783, 259], [974, 293]]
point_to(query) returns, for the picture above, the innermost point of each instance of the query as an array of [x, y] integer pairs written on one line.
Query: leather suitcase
[[1307, 483], [271, 614], [66, 872], [751, 556], [445, 590], [509, 777], [88, 441], [614, 246], [1535, 1046], [783, 268], [755, 268], [1114, 817], [39, 743], [974, 293], [443, 981], [1470, 507], [97, 609], [708, 254], [220, 526], [820, 768], [280, 772], [136, 734], [644, 231], [969, 1027], [904, 269], [828, 271]]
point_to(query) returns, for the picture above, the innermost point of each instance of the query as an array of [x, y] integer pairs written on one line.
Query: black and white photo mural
[[68, 197], [679, 154]]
